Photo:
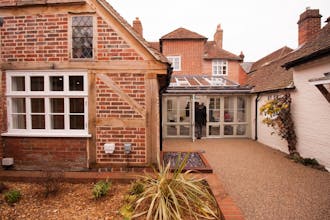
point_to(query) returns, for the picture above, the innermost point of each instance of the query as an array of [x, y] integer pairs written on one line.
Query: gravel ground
[[72, 202], [263, 183]]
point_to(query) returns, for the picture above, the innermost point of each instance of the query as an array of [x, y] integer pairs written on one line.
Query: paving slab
[[262, 181]]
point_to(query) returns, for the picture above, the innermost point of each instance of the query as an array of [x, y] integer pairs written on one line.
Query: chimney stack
[[309, 25], [137, 26], [218, 37]]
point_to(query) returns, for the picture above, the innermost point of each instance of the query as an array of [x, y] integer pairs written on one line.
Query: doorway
[[200, 119]]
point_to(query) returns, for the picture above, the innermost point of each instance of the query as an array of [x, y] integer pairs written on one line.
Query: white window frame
[[176, 62], [47, 95], [218, 67]]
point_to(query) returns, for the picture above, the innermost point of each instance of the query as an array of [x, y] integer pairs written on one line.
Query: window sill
[[72, 135]]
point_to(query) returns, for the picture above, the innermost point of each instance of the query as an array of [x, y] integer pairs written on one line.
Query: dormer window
[[82, 37], [219, 67], [176, 62]]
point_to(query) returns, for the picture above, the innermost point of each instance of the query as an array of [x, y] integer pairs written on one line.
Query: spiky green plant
[[101, 189], [177, 195]]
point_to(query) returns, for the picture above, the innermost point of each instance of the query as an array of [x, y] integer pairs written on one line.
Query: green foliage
[[12, 196], [101, 189], [51, 182], [277, 113], [169, 196], [137, 188]]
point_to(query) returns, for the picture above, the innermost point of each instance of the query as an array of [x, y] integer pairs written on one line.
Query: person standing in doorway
[[200, 118]]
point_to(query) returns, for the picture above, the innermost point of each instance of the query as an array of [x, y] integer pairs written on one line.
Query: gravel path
[[263, 183]]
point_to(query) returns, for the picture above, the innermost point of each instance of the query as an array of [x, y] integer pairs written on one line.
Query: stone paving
[[261, 181]]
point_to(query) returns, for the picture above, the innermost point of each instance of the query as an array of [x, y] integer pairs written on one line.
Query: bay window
[[47, 103]]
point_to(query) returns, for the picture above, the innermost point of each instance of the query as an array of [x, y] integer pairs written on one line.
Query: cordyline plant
[[167, 196], [277, 114]]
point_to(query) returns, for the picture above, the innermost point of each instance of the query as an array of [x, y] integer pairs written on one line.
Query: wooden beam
[[324, 91], [111, 84], [91, 150], [118, 122], [95, 65]]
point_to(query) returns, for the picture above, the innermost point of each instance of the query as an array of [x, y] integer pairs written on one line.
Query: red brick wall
[[191, 52], [3, 112], [42, 153], [45, 38], [35, 38], [110, 105], [233, 69], [110, 46]]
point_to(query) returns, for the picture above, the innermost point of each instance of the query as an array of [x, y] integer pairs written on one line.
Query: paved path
[[262, 182]]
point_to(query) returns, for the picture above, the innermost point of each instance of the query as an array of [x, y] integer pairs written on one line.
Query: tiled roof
[[271, 75], [155, 45], [211, 51], [246, 66], [182, 33], [271, 57], [313, 49], [155, 53]]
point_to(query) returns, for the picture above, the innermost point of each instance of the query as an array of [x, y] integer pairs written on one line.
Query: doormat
[[196, 161]]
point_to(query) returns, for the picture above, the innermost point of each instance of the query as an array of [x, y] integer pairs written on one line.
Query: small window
[[219, 67], [176, 62], [82, 37]]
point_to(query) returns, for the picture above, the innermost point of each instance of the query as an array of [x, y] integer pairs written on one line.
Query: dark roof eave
[[315, 55], [231, 58], [273, 90]]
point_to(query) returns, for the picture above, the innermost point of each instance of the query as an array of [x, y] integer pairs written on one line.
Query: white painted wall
[[311, 112], [264, 132]]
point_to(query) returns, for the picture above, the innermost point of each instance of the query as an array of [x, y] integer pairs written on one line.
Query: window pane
[[18, 83], [77, 105], [19, 121], [240, 102], [228, 116], [18, 105], [228, 130], [37, 105], [171, 130], [38, 121], [37, 83], [214, 130], [184, 130], [82, 37], [214, 115], [57, 105], [241, 130], [241, 116], [76, 83], [56, 83], [77, 122], [57, 122]]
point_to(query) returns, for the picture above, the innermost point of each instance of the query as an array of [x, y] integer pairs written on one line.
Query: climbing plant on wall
[[277, 114]]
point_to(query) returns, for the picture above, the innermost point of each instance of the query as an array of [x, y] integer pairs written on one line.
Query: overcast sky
[[256, 27]]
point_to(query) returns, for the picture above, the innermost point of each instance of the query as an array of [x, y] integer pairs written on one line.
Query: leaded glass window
[[82, 37]]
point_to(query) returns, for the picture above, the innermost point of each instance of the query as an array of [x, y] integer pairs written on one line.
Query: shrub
[[137, 188], [51, 182], [172, 196], [12, 196], [101, 189]]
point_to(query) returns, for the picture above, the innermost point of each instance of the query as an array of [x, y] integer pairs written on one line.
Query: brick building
[[77, 80], [203, 74]]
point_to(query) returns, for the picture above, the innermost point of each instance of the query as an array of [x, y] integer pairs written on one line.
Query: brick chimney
[[309, 25], [137, 26], [218, 37]]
